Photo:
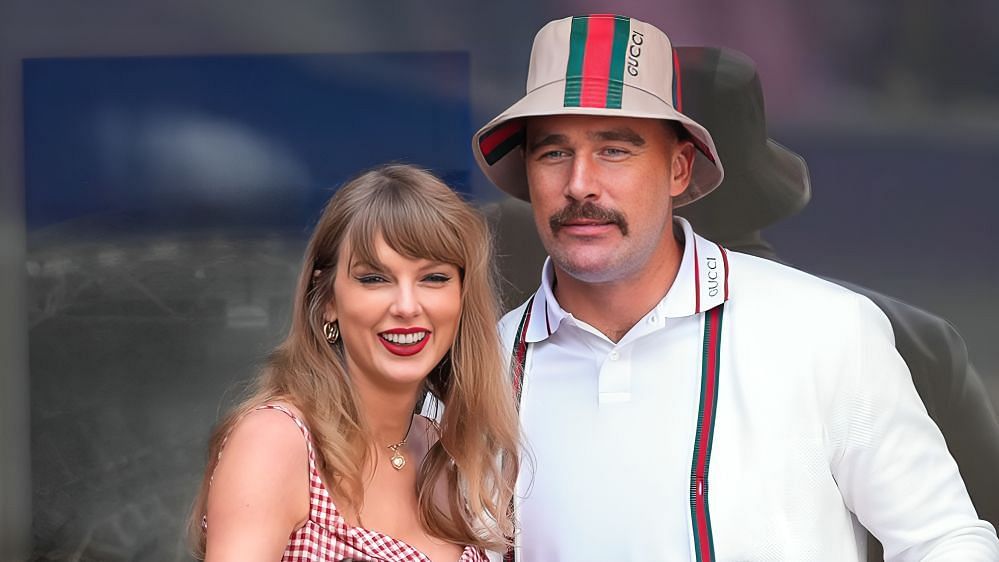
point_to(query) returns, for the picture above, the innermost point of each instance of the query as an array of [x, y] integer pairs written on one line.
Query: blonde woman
[[326, 460]]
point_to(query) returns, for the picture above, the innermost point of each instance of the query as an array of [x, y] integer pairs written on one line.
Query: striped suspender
[[699, 516], [518, 362], [710, 367]]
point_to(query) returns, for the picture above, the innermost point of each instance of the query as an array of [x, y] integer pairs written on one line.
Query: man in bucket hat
[[681, 400]]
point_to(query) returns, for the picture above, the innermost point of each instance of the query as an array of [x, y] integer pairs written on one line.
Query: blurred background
[[161, 165]]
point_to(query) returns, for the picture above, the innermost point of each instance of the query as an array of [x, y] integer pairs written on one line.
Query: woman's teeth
[[404, 339]]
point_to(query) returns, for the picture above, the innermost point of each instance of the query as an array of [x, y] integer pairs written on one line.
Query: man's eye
[[610, 151], [553, 155]]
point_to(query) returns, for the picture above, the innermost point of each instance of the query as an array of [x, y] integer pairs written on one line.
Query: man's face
[[601, 188]]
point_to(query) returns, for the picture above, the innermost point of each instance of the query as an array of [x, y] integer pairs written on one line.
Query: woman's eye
[[370, 279], [437, 278]]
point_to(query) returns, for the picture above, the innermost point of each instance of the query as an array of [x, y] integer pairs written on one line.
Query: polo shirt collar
[[546, 314], [701, 284], [702, 281]]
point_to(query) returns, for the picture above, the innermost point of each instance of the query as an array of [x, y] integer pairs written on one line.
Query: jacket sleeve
[[891, 462], [954, 395]]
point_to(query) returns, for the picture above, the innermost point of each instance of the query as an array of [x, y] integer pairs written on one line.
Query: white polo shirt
[[817, 428]]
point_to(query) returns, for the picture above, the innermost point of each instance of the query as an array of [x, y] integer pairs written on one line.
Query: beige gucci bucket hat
[[599, 64]]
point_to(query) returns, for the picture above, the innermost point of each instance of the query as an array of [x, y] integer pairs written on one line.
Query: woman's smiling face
[[398, 317]]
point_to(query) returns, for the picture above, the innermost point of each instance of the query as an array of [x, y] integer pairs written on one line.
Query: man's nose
[[582, 183]]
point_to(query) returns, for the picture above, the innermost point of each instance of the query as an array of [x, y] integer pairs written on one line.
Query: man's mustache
[[587, 210]]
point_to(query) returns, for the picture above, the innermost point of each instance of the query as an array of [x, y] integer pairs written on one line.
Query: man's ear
[[681, 166]]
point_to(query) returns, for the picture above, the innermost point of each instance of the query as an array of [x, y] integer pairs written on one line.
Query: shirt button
[[614, 355], [653, 319]]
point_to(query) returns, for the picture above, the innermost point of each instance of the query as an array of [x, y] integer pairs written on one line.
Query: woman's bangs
[[410, 226]]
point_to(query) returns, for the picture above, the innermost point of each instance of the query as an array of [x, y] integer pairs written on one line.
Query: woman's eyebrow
[[363, 264]]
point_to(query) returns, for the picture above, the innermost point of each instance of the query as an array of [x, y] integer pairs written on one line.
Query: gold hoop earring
[[332, 331]]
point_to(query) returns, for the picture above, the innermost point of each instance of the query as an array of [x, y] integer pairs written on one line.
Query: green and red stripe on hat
[[594, 76]]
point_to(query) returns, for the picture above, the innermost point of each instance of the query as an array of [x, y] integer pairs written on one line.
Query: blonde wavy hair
[[477, 456]]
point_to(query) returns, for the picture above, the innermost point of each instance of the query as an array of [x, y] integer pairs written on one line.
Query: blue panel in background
[[232, 140]]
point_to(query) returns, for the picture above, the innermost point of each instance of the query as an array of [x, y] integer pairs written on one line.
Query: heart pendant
[[398, 461]]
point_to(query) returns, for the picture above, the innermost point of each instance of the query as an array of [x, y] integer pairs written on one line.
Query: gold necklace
[[397, 459]]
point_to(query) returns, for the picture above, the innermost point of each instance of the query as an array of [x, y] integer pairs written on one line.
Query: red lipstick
[[405, 349]]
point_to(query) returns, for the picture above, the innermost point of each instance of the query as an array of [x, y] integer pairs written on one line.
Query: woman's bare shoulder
[[260, 490], [267, 438]]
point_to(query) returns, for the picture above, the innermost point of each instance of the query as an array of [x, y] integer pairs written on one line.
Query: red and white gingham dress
[[326, 536]]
